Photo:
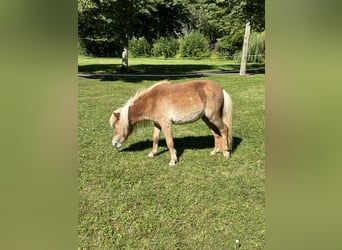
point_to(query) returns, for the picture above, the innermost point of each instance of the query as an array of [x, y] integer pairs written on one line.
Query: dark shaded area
[[138, 73], [169, 68], [166, 68], [99, 48], [136, 79], [104, 68], [181, 144], [145, 68]]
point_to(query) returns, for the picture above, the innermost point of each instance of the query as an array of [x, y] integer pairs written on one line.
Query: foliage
[[166, 47], [81, 49], [204, 17], [194, 45], [256, 47], [229, 45], [129, 201], [240, 11], [117, 21], [120, 20], [216, 19], [139, 47], [102, 48]]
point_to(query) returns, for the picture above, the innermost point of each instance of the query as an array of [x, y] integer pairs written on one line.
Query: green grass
[[129, 201], [155, 65]]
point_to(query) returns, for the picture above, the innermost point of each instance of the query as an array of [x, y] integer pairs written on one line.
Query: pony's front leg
[[169, 141], [155, 140]]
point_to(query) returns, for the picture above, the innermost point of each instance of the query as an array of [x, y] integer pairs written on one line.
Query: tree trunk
[[245, 49], [124, 66]]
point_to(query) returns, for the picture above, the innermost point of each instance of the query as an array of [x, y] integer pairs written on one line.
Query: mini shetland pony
[[166, 104]]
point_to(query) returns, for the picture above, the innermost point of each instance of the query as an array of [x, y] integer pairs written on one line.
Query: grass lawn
[[129, 201], [155, 65]]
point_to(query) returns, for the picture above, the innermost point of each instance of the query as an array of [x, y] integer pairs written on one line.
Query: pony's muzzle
[[116, 144]]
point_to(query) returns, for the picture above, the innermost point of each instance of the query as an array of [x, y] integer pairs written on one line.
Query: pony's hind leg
[[217, 147], [220, 132], [155, 140], [224, 141], [216, 134]]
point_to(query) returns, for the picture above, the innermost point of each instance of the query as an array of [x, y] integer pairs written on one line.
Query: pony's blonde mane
[[124, 119]]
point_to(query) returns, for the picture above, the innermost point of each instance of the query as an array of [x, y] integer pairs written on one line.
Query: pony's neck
[[136, 112]]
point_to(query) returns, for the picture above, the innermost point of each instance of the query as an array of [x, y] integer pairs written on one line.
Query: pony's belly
[[185, 118]]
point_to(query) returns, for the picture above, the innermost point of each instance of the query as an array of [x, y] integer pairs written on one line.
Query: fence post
[[245, 49], [124, 66]]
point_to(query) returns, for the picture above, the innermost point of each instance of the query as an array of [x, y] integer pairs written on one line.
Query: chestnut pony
[[166, 104]]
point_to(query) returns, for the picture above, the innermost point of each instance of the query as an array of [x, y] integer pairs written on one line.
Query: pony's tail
[[227, 117]]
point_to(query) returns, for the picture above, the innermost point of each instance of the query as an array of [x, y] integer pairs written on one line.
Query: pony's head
[[122, 129]]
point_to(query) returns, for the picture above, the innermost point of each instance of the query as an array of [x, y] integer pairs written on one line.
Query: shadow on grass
[[140, 72], [181, 144], [148, 69], [164, 68], [136, 79], [168, 69], [100, 68]]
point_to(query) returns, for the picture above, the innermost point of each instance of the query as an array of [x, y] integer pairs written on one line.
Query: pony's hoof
[[151, 155], [172, 164], [226, 154], [214, 152]]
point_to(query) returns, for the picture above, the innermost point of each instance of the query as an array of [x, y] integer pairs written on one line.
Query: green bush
[[99, 48], [195, 45], [166, 47], [237, 56], [229, 46], [81, 50], [139, 47], [256, 47]]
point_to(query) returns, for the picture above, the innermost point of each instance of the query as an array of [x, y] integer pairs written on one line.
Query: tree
[[204, 17], [218, 18], [246, 13], [120, 20], [112, 23], [253, 12]]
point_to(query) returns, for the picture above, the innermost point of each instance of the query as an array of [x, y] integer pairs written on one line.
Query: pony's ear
[[114, 117], [116, 113]]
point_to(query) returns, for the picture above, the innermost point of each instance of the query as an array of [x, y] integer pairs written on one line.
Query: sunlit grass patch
[[127, 200]]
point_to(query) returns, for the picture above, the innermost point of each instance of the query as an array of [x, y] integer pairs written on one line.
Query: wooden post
[[124, 65], [245, 49]]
